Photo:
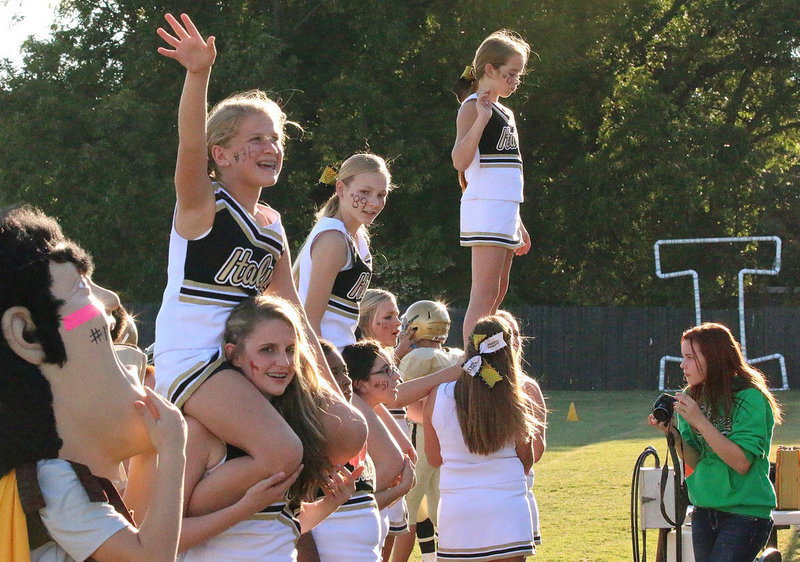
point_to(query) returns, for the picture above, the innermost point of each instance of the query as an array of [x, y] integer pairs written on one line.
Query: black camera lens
[[662, 408]]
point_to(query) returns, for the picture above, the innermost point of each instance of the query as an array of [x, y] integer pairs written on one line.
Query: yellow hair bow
[[477, 365], [469, 73], [328, 176]]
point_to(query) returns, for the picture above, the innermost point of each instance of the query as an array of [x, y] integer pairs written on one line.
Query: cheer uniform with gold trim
[[353, 532], [269, 535], [490, 203], [207, 277], [483, 506], [340, 319]]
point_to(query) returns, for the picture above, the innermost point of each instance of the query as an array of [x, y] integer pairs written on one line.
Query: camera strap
[[681, 494]]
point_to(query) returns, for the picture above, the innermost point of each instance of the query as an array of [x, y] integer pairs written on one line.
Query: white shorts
[[485, 523], [491, 222], [351, 533], [180, 373], [398, 517]]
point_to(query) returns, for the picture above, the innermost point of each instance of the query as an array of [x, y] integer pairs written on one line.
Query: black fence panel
[[617, 348]]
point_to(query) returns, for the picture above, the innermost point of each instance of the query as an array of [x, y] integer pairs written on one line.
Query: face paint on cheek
[[359, 201], [81, 316], [253, 369], [96, 336]]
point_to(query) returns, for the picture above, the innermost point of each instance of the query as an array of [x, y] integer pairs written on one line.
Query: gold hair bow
[[469, 73], [328, 176], [477, 365]]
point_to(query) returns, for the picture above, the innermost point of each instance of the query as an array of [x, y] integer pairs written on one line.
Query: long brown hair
[[726, 371], [305, 400], [492, 418]]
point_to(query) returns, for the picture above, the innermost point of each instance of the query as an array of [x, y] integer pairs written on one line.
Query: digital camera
[[662, 408]]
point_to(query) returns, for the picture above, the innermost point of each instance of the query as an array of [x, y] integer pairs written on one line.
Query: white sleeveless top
[[269, 535], [211, 274], [496, 168], [340, 319], [460, 468]]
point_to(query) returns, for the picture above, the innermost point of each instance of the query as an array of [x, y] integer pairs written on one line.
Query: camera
[[662, 408]]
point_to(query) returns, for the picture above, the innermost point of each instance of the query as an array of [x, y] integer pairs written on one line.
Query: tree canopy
[[639, 120]]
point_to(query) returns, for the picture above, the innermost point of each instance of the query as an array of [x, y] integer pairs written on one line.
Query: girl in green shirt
[[723, 430]]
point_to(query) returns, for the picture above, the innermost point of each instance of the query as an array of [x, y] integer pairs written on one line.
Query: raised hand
[[340, 484], [404, 342], [484, 107], [188, 46]]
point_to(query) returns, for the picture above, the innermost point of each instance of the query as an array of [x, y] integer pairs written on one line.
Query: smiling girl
[[335, 265], [225, 246], [265, 342]]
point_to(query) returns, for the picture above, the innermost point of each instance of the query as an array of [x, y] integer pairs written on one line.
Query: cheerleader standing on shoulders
[[224, 247], [487, 156], [480, 429]]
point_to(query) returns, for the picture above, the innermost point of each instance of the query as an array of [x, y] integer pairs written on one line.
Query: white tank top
[[496, 168], [340, 319], [460, 468], [211, 274]]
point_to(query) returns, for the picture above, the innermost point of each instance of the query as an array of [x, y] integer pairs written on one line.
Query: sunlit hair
[[306, 398], [495, 50], [726, 371], [360, 357], [361, 163], [493, 418], [226, 117], [373, 299], [516, 334]]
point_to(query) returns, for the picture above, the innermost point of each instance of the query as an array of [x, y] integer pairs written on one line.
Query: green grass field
[[583, 481]]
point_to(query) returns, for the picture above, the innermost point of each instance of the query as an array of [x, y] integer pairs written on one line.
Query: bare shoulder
[[330, 244]]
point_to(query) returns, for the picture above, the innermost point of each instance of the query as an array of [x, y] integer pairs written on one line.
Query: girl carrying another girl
[[487, 156], [224, 247], [723, 429], [480, 429], [265, 343], [335, 265]]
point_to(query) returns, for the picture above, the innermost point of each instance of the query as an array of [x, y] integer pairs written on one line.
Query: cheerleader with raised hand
[[480, 430], [225, 246]]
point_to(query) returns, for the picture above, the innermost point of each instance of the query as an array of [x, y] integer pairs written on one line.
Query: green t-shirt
[[716, 485]]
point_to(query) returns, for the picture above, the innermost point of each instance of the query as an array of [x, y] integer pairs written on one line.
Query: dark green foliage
[[639, 120]]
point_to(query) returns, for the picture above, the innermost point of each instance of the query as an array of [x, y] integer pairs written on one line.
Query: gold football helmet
[[431, 320]]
